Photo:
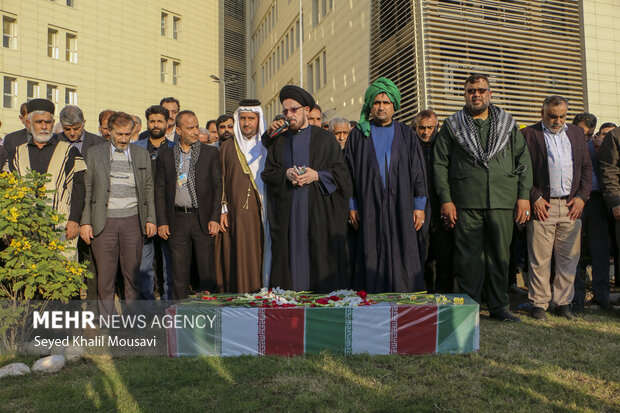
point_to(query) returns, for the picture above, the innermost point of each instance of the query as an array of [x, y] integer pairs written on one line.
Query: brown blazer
[[582, 164]]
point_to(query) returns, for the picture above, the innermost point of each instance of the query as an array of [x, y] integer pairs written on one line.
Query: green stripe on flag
[[326, 330], [198, 341], [456, 330]]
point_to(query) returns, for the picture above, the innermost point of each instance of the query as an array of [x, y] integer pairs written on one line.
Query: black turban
[[297, 94], [249, 102], [40, 104]]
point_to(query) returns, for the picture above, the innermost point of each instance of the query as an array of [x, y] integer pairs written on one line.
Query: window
[[52, 43], [176, 67], [10, 92], [164, 23], [163, 68], [9, 32], [71, 48], [71, 3], [52, 93], [70, 96], [32, 90], [320, 8], [176, 26], [317, 72]]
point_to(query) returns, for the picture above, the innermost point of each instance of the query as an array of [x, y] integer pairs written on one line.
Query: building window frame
[[51, 93], [176, 72], [9, 32], [163, 70], [32, 90], [9, 92], [71, 47], [71, 96], [53, 51]]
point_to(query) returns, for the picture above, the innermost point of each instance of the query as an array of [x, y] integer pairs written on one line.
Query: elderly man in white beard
[[44, 153]]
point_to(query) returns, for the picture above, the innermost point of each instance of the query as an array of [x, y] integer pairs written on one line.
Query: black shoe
[[578, 307], [605, 305], [565, 311], [538, 313], [505, 315], [515, 289]]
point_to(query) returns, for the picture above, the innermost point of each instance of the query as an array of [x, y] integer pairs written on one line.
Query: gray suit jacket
[[97, 180]]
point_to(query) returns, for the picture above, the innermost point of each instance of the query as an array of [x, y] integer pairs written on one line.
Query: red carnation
[[362, 294]]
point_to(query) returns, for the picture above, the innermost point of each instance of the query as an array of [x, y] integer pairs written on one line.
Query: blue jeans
[[147, 268]]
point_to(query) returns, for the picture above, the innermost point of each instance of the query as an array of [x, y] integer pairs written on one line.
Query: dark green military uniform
[[485, 200]]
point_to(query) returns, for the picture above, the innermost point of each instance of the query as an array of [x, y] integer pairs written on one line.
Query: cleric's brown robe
[[241, 247]]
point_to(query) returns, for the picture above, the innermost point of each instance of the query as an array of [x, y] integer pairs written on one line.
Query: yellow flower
[[14, 214]]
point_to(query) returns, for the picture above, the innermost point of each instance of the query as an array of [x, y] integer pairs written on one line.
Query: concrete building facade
[[529, 49], [113, 54]]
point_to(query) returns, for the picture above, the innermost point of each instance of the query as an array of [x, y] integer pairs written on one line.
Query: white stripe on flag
[[371, 329], [239, 331]]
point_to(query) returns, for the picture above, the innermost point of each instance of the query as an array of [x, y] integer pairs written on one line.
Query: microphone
[[279, 130]]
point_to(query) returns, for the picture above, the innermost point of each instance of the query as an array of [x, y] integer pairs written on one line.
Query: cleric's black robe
[[326, 213], [388, 255]]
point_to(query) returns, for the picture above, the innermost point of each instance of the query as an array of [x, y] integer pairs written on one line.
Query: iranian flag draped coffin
[[384, 328]]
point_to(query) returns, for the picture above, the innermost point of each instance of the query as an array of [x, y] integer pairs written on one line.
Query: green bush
[[34, 265]]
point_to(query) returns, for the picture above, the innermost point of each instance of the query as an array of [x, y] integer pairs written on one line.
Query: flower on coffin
[[458, 300], [362, 294], [441, 299]]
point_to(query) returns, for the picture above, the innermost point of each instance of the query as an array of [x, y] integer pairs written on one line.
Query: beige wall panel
[[119, 51], [602, 45]]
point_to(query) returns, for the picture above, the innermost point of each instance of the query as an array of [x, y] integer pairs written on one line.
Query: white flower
[[343, 293]]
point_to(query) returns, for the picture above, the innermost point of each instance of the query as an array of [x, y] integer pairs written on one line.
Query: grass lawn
[[555, 365]]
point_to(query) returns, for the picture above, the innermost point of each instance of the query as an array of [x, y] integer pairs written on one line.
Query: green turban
[[381, 85]]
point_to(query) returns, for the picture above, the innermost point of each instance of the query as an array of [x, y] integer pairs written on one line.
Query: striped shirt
[[123, 199]]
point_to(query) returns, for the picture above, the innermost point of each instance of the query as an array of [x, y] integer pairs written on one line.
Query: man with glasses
[[308, 187], [156, 249], [483, 178]]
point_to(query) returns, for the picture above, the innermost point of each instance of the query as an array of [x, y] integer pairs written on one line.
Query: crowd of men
[[315, 202]]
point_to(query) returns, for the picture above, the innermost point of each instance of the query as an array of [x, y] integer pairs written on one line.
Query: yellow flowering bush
[[32, 264]]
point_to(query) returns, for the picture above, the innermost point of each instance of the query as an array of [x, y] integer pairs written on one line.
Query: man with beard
[[314, 117], [46, 154], [188, 196], [156, 249], [308, 186], [118, 210], [225, 128], [246, 244], [389, 195], [483, 176], [562, 171], [73, 123], [438, 239], [103, 123]]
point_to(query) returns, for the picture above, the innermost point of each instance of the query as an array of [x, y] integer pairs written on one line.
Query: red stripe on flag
[[171, 335], [417, 329], [284, 331]]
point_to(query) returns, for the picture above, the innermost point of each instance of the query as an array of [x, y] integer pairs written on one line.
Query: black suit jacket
[[90, 139], [582, 164], [13, 140], [208, 187]]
